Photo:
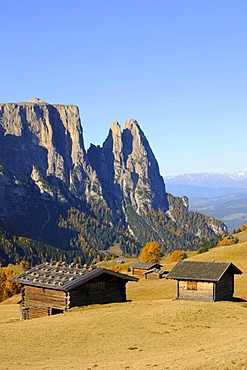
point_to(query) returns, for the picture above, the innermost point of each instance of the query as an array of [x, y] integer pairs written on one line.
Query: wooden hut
[[205, 281], [49, 289], [139, 268], [154, 273]]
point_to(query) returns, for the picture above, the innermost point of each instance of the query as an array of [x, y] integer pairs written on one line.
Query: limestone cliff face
[[44, 167], [42, 140], [144, 183], [43, 144], [128, 170]]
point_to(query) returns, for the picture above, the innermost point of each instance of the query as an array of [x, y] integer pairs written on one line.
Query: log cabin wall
[[38, 302], [103, 289], [195, 290], [137, 271], [116, 290], [225, 287]]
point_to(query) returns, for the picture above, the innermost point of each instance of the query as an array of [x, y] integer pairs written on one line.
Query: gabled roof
[[63, 277], [144, 265], [158, 271], [201, 271]]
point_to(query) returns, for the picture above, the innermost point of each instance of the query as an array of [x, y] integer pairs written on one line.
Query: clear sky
[[179, 67]]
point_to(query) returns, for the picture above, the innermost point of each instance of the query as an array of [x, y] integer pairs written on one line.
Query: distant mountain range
[[223, 196], [81, 202], [210, 180]]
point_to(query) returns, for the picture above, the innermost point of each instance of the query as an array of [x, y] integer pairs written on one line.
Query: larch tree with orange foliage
[[7, 288], [177, 255], [151, 252]]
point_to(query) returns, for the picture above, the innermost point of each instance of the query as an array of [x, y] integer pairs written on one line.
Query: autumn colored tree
[[243, 227], [151, 252], [177, 255], [227, 240], [7, 288]]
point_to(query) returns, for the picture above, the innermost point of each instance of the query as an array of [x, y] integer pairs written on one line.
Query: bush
[[202, 250], [120, 268]]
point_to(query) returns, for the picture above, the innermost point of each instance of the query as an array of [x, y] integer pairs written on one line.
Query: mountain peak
[[115, 127], [35, 100], [131, 123]]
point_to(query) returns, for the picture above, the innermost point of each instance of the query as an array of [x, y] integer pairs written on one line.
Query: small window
[[191, 285], [55, 311]]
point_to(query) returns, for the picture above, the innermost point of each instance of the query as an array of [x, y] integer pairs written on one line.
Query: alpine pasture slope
[[153, 330]]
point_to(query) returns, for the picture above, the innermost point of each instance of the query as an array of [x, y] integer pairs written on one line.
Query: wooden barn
[[50, 288], [154, 273], [139, 268], [204, 281]]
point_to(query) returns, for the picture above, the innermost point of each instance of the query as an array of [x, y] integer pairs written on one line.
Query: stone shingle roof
[[201, 271], [62, 277]]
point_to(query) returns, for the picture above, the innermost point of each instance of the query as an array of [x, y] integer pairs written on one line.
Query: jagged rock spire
[[128, 167]]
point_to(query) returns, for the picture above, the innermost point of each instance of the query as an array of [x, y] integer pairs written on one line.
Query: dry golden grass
[[162, 334], [152, 331], [242, 236]]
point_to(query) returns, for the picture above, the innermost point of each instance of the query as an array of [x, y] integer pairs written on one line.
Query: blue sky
[[179, 67]]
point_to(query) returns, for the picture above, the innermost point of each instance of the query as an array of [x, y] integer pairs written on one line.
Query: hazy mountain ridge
[[211, 180], [223, 196], [54, 191]]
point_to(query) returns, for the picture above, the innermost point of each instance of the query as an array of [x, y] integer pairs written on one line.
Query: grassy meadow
[[153, 330]]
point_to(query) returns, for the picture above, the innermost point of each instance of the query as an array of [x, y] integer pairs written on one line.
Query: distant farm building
[[49, 289], [204, 281], [139, 268], [154, 273]]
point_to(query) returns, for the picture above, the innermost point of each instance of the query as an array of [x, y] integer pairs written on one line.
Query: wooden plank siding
[[137, 271], [39, 301], [104, 289], [225, 287], [204, 290]]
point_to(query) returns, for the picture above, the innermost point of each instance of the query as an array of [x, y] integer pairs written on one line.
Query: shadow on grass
[[237, 299]]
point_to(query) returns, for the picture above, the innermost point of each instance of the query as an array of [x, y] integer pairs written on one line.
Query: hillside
[[144, 333]]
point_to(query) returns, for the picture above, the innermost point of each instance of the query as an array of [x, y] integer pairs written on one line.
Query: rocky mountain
[[128, 170], [53, 191]]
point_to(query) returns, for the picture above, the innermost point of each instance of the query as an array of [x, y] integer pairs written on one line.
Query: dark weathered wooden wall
[[104, 289], [39, 301], [225, 287]]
